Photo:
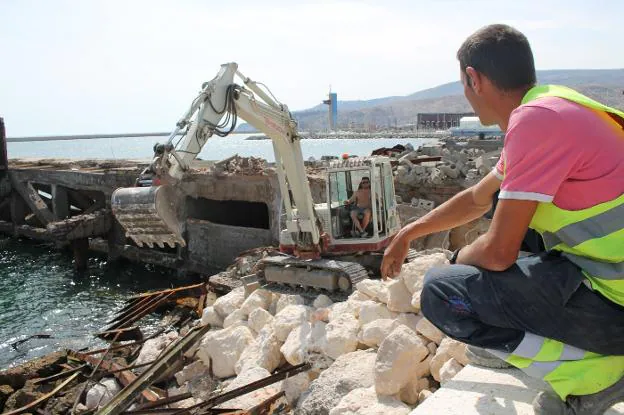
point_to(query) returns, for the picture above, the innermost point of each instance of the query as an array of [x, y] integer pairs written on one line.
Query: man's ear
[[474, 79]]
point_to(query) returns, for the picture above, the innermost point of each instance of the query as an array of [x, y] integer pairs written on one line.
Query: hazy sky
[[87, 66]]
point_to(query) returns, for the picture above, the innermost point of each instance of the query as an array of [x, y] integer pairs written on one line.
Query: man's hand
[[394, 257]]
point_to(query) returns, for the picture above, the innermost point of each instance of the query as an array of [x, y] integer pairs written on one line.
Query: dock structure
[[223, 212]]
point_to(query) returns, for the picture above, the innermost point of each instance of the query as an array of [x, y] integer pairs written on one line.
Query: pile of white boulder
[[374, 353]]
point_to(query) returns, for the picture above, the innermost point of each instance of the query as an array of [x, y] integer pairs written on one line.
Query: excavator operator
[[361, 199], [556, 314]]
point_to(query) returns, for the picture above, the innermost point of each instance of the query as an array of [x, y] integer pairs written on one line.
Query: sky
[[90, 66]]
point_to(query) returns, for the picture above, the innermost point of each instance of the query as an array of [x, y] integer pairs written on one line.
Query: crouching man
[[559, 314]]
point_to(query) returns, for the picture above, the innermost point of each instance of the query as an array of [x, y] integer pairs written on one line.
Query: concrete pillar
[[4, 161], [18, 209], [80, 248], [60, 202], [116, 241]]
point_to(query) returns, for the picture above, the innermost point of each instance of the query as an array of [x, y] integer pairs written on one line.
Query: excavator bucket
[[148, 214]]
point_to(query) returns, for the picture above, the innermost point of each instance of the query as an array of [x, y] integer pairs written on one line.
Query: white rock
[[322, 301], [288, 318], [397, 358], [399, 298], [437, 362], [430, 331], [320, 314], [409, 394], [371, 311], [192, 371], [295, 349], [344, 307], [285, 300], [230, 302], [263, 352], [449, 370], [234, 319], [423, 369], [433, 348], [223, 348], [318, 337], [414, 271], [348, 372], [375, 289], [81, 408], [258, 319], [410, 320], [365, 401], [341, 336], [100, 394], [455, 349], [210, 316], [273, 307], [257, 299], [373, 333], [294, 386], [254, 398], [424, 394], [211, 297], [153, 347], [359, 296]]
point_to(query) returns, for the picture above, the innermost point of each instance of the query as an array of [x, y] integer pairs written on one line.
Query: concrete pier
[[223, 213]]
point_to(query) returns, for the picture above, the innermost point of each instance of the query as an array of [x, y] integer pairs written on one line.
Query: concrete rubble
[[373, 353], [436, 165]]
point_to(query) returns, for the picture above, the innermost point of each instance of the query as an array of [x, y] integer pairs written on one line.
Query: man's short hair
[[502, 54]]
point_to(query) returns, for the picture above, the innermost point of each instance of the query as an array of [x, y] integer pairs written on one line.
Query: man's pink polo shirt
[[561, 152]]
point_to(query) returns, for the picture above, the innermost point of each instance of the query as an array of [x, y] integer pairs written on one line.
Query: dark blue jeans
[[542, 294]]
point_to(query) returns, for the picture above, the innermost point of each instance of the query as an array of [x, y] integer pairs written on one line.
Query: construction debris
[[246, 166], [139, 306], [275, 354]]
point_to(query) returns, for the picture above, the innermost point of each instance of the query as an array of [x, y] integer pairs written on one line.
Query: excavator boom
[[149, 212]]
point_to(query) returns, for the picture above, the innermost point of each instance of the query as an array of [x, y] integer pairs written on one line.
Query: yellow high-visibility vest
[[591, 238]]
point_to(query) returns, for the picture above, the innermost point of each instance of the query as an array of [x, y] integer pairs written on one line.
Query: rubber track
[[354, 271]]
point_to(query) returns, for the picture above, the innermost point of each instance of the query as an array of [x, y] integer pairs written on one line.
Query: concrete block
[[477, 391]]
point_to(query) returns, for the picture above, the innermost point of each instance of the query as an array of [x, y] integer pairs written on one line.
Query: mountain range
[[604, 85]]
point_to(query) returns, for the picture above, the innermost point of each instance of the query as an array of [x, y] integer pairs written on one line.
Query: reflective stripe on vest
[[591, 238], [569, 370]]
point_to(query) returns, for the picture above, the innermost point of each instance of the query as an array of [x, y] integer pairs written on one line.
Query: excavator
[[320, 249]]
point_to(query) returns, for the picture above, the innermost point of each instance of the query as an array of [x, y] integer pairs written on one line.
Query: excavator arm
[[150, 214]]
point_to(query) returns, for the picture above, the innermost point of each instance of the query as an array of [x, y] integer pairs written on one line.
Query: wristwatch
[[454, 256]]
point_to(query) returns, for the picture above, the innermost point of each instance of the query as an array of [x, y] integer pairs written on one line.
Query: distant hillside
[[605, 85]]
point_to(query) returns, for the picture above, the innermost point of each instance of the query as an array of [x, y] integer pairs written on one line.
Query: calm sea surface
[[41, 294], [217, 148]]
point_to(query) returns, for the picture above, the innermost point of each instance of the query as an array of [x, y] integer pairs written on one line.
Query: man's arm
[[498, 249], [351, 199], [462, 208]]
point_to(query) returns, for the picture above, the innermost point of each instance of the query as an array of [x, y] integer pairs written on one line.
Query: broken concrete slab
[[477, 391]]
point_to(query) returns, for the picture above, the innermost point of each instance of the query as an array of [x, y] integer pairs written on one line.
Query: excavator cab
[[343, 180]]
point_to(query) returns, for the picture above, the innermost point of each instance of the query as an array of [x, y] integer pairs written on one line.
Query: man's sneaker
[[481, 357], [547, 403], [364, 234]]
